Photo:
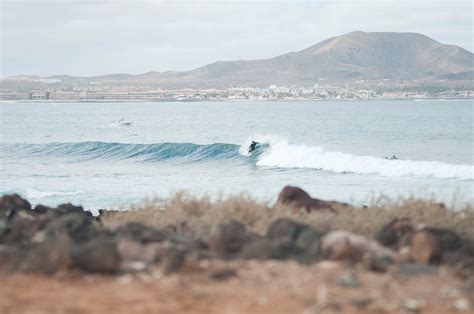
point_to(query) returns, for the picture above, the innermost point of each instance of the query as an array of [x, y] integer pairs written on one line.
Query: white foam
[[285, 155], [37, 194], [262, 139]]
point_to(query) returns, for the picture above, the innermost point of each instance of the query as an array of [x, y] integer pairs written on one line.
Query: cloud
[[96, 37]]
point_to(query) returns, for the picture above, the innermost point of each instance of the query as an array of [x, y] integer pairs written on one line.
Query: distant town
[[28, 88]]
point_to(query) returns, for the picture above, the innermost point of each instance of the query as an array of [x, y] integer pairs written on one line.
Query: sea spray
[[282, 154]]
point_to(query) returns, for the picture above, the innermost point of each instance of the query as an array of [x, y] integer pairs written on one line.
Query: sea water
[[84, 153]]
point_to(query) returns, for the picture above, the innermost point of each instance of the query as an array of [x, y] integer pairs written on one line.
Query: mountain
[[353, 56]]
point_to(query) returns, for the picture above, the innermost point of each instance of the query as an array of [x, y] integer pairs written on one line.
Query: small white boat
[[124, 122]]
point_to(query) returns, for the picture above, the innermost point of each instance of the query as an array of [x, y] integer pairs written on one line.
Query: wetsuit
[[253, 146]]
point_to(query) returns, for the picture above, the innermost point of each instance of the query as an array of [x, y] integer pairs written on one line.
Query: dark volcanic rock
[[76, 225], [137, 256], [21, 228], [396, 233], [171, 259], [425, 245], [11, 204], [285, 228], [69, 208], [449, 240], [99, 255], [41, 209], [230, 238], [309, 240], [140, 233], [286, 239], [279, 249], [303, 236], [3, 229], [9, 259], [48, 257]]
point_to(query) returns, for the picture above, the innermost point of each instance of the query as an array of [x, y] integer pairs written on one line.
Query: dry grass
[[203, 215]]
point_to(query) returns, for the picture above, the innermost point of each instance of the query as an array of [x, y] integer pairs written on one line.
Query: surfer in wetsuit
[[253, 146]]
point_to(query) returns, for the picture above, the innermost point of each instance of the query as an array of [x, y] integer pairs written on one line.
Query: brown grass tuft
[[203, 215]]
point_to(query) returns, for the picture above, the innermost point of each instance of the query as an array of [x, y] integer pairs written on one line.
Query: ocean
[[109, 155]]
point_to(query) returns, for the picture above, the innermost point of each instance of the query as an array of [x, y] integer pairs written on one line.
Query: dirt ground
[[238, 287]]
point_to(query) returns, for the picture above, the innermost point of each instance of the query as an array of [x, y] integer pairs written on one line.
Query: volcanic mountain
[[353, 56]]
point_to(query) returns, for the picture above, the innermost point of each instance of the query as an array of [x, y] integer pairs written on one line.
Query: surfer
[[392, 158], [253, 146]]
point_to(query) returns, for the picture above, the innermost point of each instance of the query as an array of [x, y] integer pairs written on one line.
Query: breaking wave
[[282, 154], [83, 151], [33, 193], [274, 152]]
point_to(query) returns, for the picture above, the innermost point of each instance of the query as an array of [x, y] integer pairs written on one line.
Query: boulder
[[47, 257], [425, 247], [21, 228], [230, 238], [279, 249], [69, 208], [421, 244], [352, 248], [297, 198], [139, 233], [99, 255], [286, 239], [11, 204], [396, 233], [309, 240], [304, 237], [449, 240], [41, 209], [78, 226], [181, 228], [285, 228], [135, 255], [171, 259], [10, 257]]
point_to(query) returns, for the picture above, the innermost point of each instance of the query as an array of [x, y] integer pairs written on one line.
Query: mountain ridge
[[353, 56]]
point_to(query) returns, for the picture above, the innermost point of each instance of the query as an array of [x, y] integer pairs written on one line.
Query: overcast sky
[[85, 37]]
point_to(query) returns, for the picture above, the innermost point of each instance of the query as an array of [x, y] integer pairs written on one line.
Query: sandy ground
[[255, 287]]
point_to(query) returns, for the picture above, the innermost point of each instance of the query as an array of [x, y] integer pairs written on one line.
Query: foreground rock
[[230, 238], [286, 239], [349, 247], [427, 245], [47, 240], [97, 256]]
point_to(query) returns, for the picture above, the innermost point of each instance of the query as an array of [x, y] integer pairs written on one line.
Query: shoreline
[[233, 101]]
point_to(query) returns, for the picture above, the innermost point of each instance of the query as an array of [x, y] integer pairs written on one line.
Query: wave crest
[[84, 151], [285, 155]]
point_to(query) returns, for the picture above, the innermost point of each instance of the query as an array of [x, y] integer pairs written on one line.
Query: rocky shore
[[236, 256]]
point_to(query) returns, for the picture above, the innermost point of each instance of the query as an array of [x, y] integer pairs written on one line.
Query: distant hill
[[353, 56]]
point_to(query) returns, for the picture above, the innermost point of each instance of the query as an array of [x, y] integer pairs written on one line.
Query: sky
[[87, 38]]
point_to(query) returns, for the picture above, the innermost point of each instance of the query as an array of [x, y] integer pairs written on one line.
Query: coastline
[[233, 100]]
